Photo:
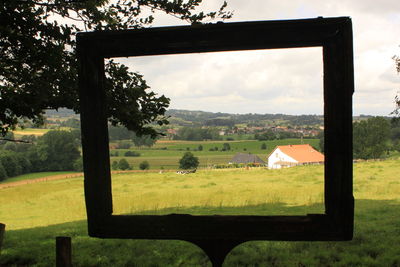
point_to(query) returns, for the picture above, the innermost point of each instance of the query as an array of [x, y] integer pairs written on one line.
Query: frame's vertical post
[[63, 251], [338, 91], [98, 193]]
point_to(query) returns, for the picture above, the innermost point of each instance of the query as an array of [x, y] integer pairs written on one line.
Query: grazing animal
[[186, 171]]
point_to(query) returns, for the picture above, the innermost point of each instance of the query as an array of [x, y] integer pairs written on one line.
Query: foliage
[[118, 133], [197, 134], [188, 161], [321, 137], [370, 138], [78, 165], [263, 146], [38, 67], [114, 165], [123, 145], [10, 162], [144, 165], [143, 140], [55, 151], [123, 165], [226, 147], [131, 154], [6, 137], [3, 173], [200, 148], [397, 97]]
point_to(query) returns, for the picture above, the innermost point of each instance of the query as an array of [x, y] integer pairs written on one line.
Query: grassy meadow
[[36, 213]]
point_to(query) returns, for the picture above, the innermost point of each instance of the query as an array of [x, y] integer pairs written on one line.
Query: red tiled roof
[[302, 153]]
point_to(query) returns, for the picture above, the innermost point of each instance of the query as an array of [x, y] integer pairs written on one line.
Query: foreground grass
[[375, 243], [36, 213]]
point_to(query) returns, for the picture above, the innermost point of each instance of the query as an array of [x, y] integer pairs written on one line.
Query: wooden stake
[[63, 251], [2, 231]]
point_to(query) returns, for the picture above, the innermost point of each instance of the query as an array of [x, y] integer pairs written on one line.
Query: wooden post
[[2, 231], [63, 251]]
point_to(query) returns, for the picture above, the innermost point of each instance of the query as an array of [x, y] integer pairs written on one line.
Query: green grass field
[[36, 213]]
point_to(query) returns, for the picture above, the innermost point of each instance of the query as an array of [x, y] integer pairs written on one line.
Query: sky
[[285, 81]]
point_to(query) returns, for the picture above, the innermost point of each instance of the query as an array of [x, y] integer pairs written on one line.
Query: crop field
[[35, 131], [36, 213], [166, 153]]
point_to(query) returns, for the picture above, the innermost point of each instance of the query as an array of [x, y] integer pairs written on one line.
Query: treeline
[[202, 118], [54, 151], [375, 137], [276, 135], [197, 134], [118, 133]]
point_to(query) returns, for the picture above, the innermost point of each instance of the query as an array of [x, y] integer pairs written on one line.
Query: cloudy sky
[[286, 80]]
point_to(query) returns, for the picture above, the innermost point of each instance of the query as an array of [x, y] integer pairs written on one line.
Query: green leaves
[[38, 65]]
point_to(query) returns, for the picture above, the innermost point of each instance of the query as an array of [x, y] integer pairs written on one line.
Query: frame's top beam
[[212, 37]]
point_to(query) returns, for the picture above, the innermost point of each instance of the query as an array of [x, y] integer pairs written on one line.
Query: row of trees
[[197, 134], [54, 151], [117, 133], [276, 135]]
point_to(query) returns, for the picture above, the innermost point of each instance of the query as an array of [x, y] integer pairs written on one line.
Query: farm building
[[245, 158], [292, 155]]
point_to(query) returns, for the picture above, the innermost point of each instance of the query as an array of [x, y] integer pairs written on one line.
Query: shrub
[[78, 164], [132, 154], [226, 147], [188, 161], [114, 165], [144, 165], [123, 145], [10, 163], [123, 165], [263, 146], [3, 173], [200, 148]]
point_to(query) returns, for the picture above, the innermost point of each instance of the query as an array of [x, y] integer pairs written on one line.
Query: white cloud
[[282, 81]]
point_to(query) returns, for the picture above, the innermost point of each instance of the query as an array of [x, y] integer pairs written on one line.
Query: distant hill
[[203, 118]]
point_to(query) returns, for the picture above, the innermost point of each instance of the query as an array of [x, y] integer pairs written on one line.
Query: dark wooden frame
[[334, 35]]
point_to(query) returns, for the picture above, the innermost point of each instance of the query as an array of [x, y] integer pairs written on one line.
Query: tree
[[144, 165], [226, 147], [397, 97], [188, 161], [38, 67], [55, 151], [114, 165], [263, 146], [321, 137], [10, 163], [3, 173], [123, 165], [370, 138], [143, 140]]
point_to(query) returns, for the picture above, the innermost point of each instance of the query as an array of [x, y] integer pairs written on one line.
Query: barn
[[246, 158], [292, 155]]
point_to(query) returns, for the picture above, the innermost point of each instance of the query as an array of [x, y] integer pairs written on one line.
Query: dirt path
[[64, 176]]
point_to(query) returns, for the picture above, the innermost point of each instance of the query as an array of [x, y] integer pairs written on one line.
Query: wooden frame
[[334, 35]]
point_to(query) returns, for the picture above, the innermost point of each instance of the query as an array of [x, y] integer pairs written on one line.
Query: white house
[[292, 155]]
